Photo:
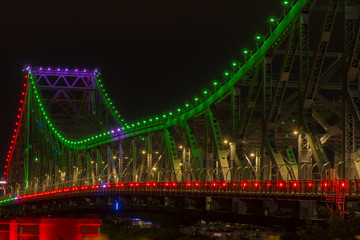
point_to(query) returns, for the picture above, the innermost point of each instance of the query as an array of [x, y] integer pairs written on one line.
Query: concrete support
[[238, 206], [308, 209], [270, 206]]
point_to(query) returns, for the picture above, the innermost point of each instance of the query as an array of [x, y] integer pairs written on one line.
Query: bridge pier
[[238, 206], [169, 202], [308, 209], [270, 206]]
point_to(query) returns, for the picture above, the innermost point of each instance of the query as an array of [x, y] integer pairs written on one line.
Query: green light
[[196, 99], [245, 51], [179, 110], [234, 63], [287, 135], [205, 92], [36, 159], [226, 74], [258, 37], [215, 83], [187, 105], [272, 20], [286, 3], [150, 120], [138, 123], [156, 118], [170, 113], [144, 121], [164, 116]]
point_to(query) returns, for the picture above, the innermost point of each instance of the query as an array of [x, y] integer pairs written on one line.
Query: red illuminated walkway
[[261, 189]]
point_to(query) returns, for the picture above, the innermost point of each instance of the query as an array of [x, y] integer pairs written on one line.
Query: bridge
[[282, 125]]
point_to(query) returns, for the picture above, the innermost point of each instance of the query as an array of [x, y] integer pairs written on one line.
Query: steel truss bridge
[[284, 123]]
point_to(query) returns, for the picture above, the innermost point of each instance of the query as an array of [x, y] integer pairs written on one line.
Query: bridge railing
[[252, 188], [234, 174]]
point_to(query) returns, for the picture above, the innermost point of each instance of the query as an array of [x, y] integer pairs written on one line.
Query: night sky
[[154, 54]]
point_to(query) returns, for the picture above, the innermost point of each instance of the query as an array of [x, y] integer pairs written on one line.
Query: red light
[[122, 185], [5, 166], [23, 93], [197, 184], [294, 184], [325, 184], [224, 185], [214, 184], [256, 184], [343, 184], [19, 109], [310, 184], [26, 76], [131, 184], [21, 101], [244, 184], [137, 184], [166, 184], [154, 184], [174, 184], [268, 184], [188, 184], [24, 84], [281, 184], [147, 184]]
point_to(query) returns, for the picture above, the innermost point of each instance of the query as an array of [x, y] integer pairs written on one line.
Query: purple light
[[104, 186], [66, 69], [49, 69], [58, 69], [40, 68], [76, 70], [118, 129], [96, 70], [84, 70], [112, 131], [16, 198]]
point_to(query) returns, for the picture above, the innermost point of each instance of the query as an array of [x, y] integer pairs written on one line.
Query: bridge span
[[283, 124]]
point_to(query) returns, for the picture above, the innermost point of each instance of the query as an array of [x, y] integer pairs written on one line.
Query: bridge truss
[[288, 111]]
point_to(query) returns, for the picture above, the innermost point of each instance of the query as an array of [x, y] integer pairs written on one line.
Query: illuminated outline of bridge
[[241, 135]]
